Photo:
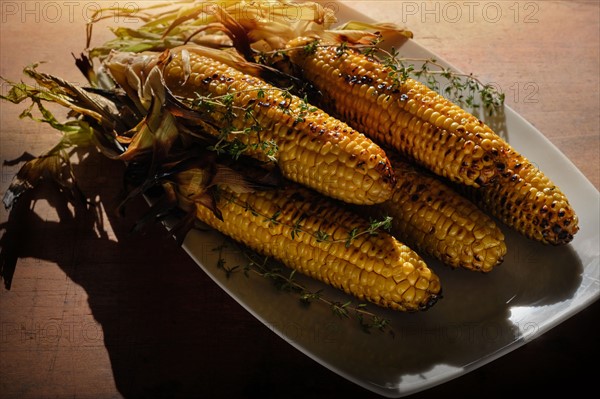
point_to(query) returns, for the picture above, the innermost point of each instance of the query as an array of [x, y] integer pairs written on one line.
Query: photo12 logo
[[469, 11], [67, 11], [49, 332]]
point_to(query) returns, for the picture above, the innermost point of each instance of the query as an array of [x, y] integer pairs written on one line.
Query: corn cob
[[431, 217], [314, 149], [406, 115], [526, 200], [310, 234]]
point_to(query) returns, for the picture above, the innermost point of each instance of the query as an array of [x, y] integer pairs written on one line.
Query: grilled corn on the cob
[[314, 149], [310, 234], [431, 217], [439, 135], [406, 115]]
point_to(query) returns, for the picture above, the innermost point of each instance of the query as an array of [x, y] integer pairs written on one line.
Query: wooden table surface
[[96, 312]]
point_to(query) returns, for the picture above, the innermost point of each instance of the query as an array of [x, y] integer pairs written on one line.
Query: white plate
[[480, 318]]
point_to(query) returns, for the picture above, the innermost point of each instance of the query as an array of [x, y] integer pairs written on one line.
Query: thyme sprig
[[296, 227], [224, 109], [464, 89], [228, 112], [286, 281]]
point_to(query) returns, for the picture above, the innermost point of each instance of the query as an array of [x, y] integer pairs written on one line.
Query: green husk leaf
[[54, 165]]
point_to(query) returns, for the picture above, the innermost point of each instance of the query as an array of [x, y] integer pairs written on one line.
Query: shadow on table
[[168, 329]]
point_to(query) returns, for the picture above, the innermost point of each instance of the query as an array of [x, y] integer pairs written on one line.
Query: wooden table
[[97, 312]]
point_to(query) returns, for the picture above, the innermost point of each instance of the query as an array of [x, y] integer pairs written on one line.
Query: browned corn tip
[[420, 123], [314, 149], [433, 218], [374, 268], [526, 200]]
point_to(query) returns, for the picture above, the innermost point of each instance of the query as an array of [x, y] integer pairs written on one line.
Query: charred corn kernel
[[527, 200], [314, 149], [415, 120], [390, 275], [431, 217]]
